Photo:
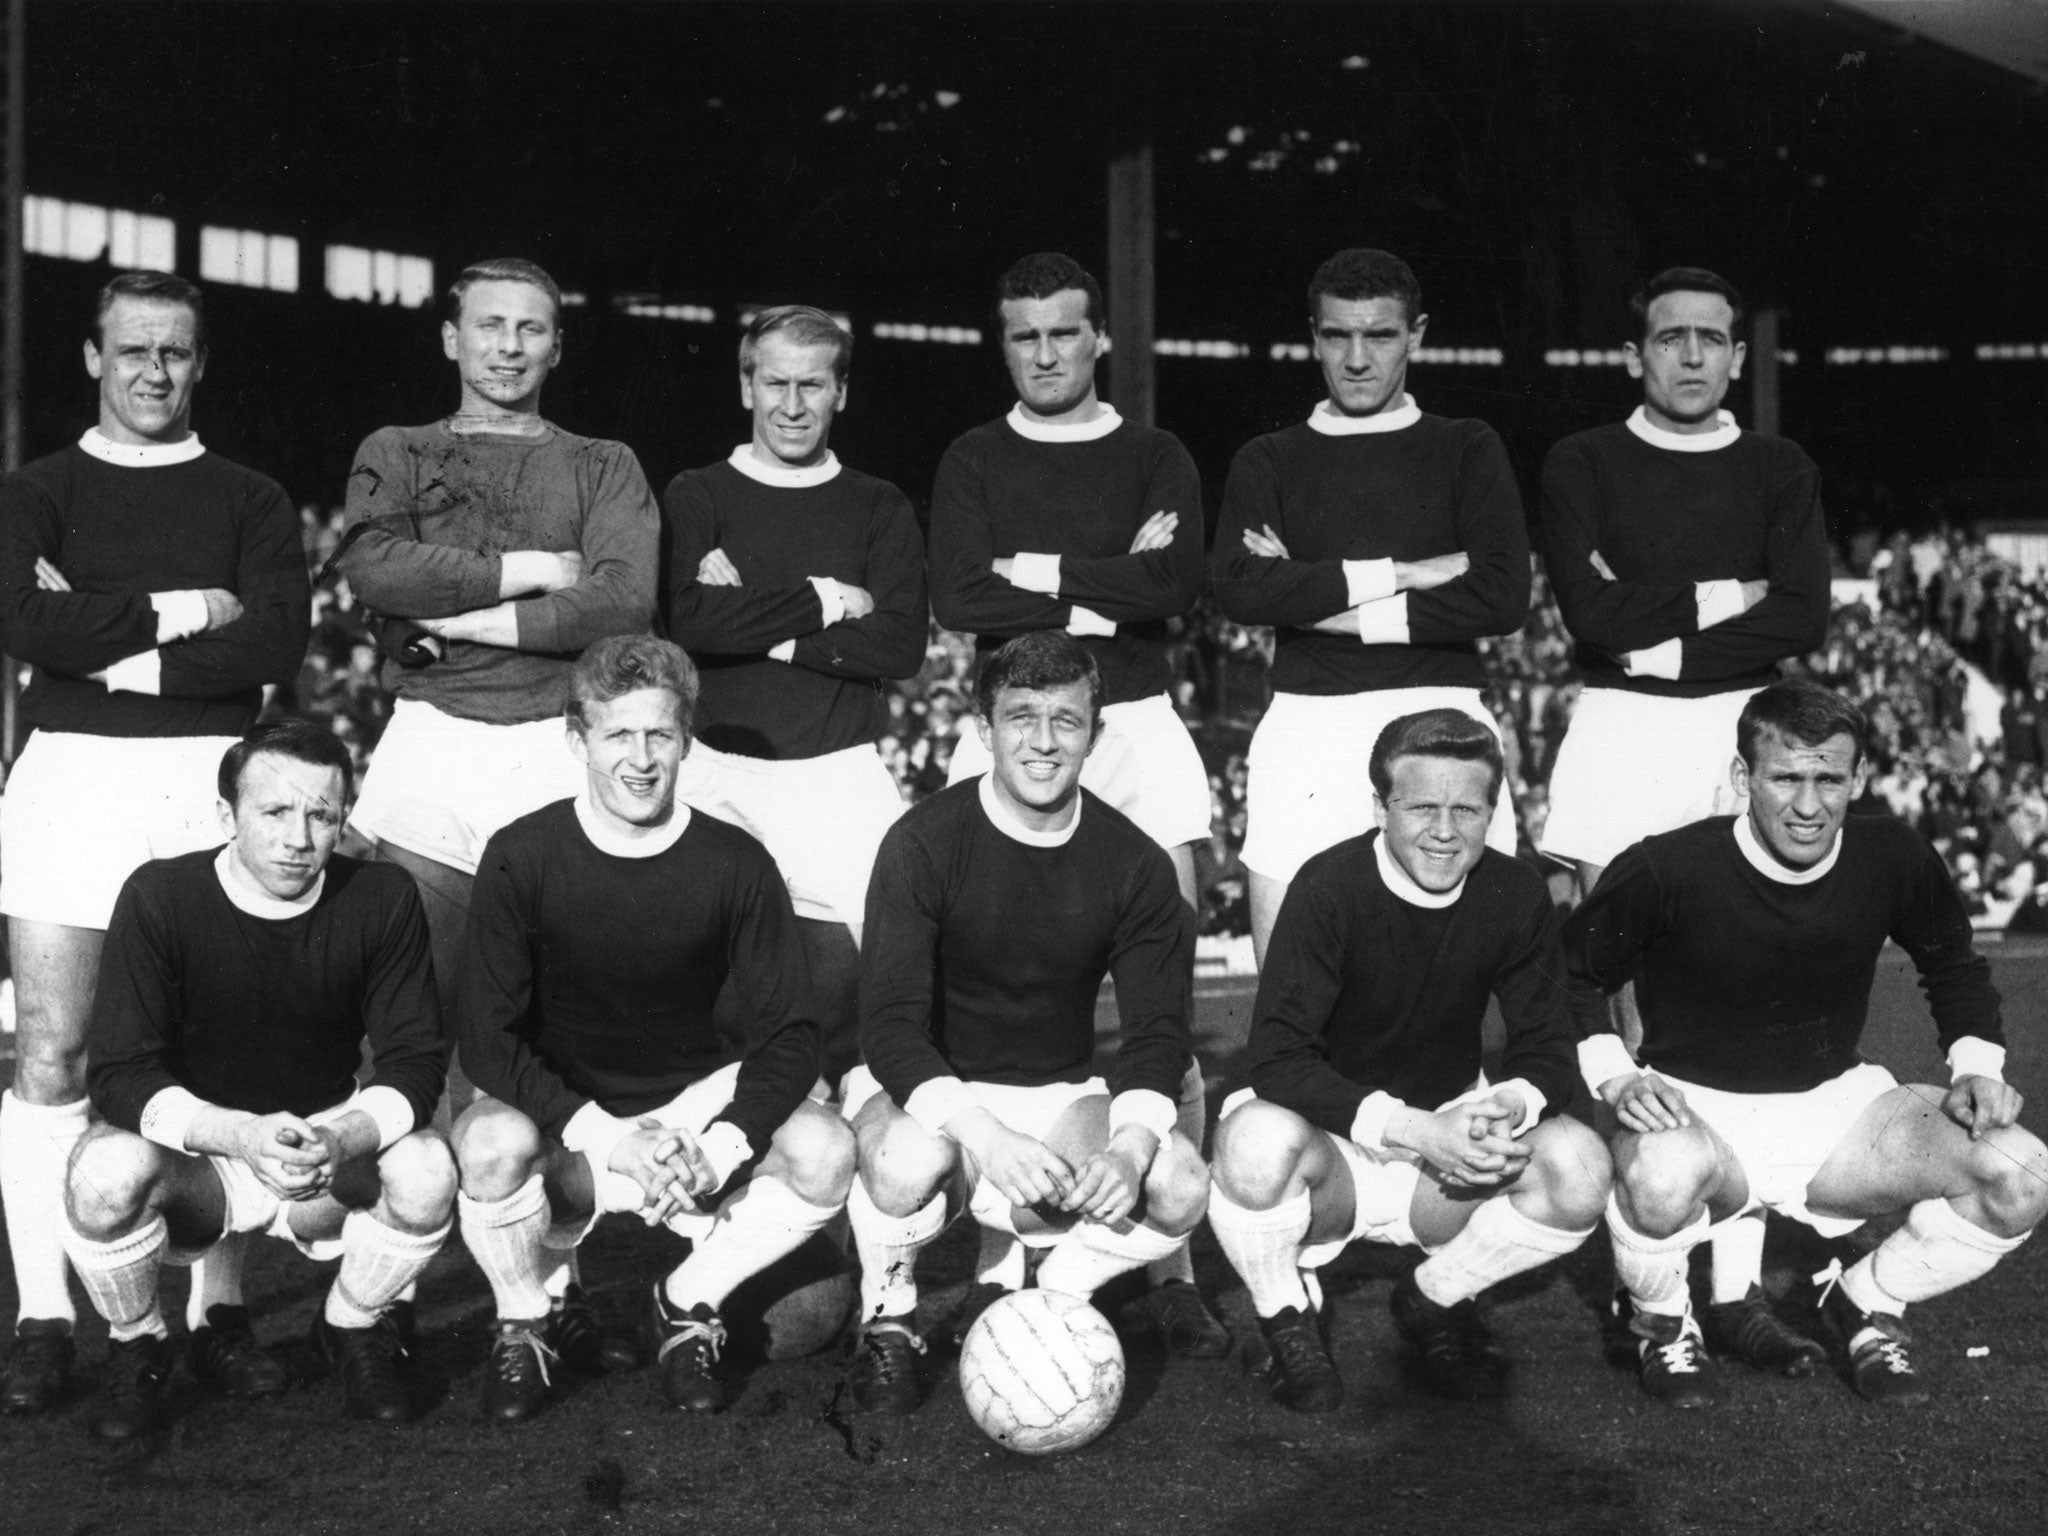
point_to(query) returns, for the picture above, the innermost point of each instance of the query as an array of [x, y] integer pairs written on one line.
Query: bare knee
[[814, 1155], [115, 1178], [1662, 1178], [418, 1177], [1256, 1154], [1176, 1187], [497, 1149], [1569, 1174], [901, 1165], [2010, 1169]]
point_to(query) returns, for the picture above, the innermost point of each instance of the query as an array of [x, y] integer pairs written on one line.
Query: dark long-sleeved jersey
[[1662, 520], [827, 696], [1752, 985], [119, 533], [999, 493], [1364, 992]]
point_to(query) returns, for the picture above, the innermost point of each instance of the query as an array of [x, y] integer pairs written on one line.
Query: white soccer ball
[[1042, 1372]]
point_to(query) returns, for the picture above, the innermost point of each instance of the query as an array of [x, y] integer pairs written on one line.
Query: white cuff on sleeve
[[1973, 1055], [938, 1099], [785, 652], [178, 614], [1086, 621], [830, 598], [141, 673], [388, 1109], [1717, 600], [1603, 1057], [1662, 660], [1036, 573], [1367, 581], [1384, 621], [169, 1115], [1369, 1125], [1534, 1102], [1143, 1107], [594, 1133], [725, 1147]]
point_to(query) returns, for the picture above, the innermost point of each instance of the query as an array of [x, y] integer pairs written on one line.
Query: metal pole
[[1763, 373], [10, 320], [1131, 277]]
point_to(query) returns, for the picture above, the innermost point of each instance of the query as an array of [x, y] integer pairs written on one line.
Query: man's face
[[1039, 738], [1364, 346], [631, 747], [507, 341], [794, 395], [1799, 795], [1686, 359], [285, 822], [1050, 347], [1436, 818], [147, 361]]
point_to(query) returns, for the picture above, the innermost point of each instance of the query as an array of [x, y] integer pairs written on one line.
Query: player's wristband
[[1367, 581], [725, 1147], [1146, 1108], [1602, 1058], [178, 614], [596, 1134], [831, 600], [1036, 573], [1369, 1125], [937, 1100], [785, 651], [1974, 1056], [169, 1115], [1385, 621], [141, 673], [389, 1110], [1714, 601], [1086, 621], [1664, 660]]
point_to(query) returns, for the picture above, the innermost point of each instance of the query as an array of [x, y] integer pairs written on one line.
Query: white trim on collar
[[608, 839], [1759, 857], [1398, 881], [1725, 432], [141, 455], [1006, 821], [245, 895], [1064, 431], [1331, 422], [783, 476]]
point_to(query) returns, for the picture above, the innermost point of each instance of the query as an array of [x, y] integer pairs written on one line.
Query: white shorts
[[439, 786], [1781, 1139], [821, 818], [1144, 765], [1308, 782], [251, 1207], [81, 813], [1633, 765], [1028, 1110]]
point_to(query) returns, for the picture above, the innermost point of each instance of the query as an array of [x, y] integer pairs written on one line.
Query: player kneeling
[[237, 988], [601, 932], [996, 908], [1753, 941], [1383, 956]]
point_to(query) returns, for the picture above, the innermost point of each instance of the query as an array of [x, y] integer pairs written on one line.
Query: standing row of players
[[498, 546]]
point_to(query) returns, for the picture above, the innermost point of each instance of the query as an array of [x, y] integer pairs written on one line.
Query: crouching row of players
[[239, 986]]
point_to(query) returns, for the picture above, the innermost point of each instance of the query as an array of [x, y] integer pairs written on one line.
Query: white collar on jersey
[[1760, 860], [141, 455], [1398, 882], [609, 839], [1006, 821], [1725, 432], [783, 475], [245, 895], [1064, 431], [1331, 422]]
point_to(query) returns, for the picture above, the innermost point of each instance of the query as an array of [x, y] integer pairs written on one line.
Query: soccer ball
[[1042, 1372], [796, 1306]]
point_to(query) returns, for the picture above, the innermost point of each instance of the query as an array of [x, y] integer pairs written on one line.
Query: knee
[[814, 1155], [902, 1167], [1662, 1179], [1176, 1186], [1570, 1170], [112, 1181], [1257, 1152], [497, 1149], [2010, 1169], [418, 1176]]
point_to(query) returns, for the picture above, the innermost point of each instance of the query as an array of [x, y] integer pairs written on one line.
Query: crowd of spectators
[[1944, 643]]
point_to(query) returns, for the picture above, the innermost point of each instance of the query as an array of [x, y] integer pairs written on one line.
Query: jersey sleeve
[[1792, 618], [1933, 928], [1152, 962], [1536, 1008], [621, 547], [1266, 589], [771, 978], [1287, 1054], [268, 642], [1159, 583], [888, 643], [1623, 916], [898, 960], [389, 567], [1492, 596], [1613, 616], [69, 632], [967, 595], [401, 1012], [711, 620], [134, 1009]]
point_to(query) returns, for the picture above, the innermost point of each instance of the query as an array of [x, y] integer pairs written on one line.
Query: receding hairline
[[278, 754], [150, 301], [462, 302]]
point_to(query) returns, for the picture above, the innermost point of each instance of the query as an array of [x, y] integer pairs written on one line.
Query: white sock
[[120, 1275], [1933, 1253], [1738, 1256], [759, 1223], [1264, 1247], [377, 1263], [1001, 1260], [505, 1237], [1092, 1255], [1191, 1119], [35, 1152], [1652, 1269], [888, 1247], [1498, 1241], [559, 1268], [216, 1278]]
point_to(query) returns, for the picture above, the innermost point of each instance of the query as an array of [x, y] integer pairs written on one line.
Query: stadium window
[[249, 258], [1174, 347], [1470, 357], [86, 232], [648, 306], [364, 276], [950, 335]]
